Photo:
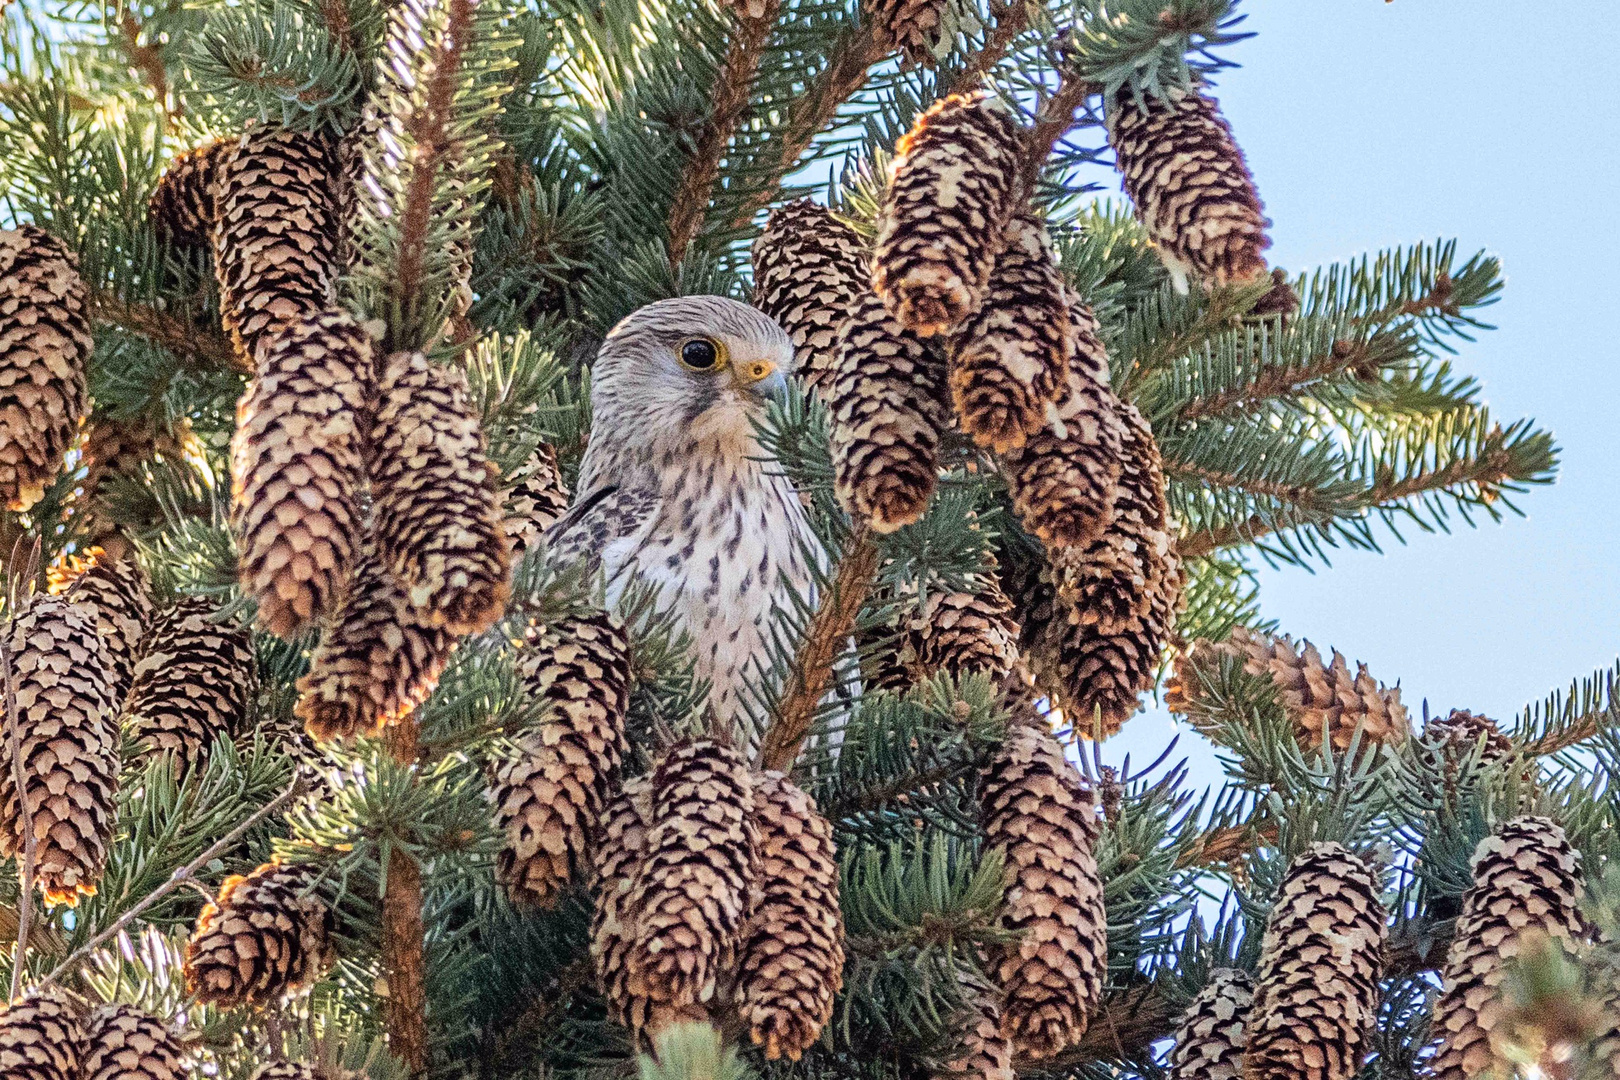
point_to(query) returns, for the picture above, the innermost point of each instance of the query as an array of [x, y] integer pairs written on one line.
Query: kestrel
[[673, 492]]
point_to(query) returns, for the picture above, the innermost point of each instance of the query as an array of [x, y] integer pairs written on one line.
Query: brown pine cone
[[952, 186], [69, 744], [1190, 185], [1209, 1038], [193, 682], [538, 499], [41, 1037], [1038, 810], [1462, 731], [289, 1070], [885, 400], [620, 848], [1323, 697], [124, 1043], [981, 1052], [809, 271], [1063, 479], [298, 466], [695, 889], [116, 449], [1104, 616], [275, 232], [438, 517], [549, 796], [378, 661], [265, 936], [961, 633], [1010, 361], [182, 204], [117, 593], [44, 344], [911, 26], [792, 961], [1316, 996], [1527, 880]]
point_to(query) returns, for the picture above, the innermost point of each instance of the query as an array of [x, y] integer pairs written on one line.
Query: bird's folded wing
[[600, 528]]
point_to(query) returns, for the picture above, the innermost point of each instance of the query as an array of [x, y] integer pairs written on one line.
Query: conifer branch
[[824, 640], [1011, 20], [148, 60], [429, 128], [1054, 120], [404, 962], [730, 101], [203, 348], [1345, 357], [1300, 496], [813, 111]]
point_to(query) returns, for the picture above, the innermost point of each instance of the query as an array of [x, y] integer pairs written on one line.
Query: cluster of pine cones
[[1309, 1010], [45, 1036], [960, 318], [362, 497], [96, 660]]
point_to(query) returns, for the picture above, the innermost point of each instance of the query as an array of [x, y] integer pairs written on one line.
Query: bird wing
[[602, 528]]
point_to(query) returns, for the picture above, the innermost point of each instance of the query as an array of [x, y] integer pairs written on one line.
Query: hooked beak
[[762, 378]]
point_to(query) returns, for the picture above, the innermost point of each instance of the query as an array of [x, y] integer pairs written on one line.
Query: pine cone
[[288, 1070], [1209, 1038], [952, 187], [912, 26], [695, 889], [1316, 999], [297, 468], [1010, 361], [620, 848], [792, 962], [1527, 879], [118, 595], [982, 1051], [539, 498], [1036, 808], [961, 633], [124, 1043], [809, 271], [438, 511], [1462, 731], [1097, 644], [1190, 185], [1323, 697], [44, 344], [1063, 479], [41, 1037], [265, 936], [884, 397], [549, 796], [275, 232], [378, 661], [182, 204], [192, 684], [69, 742], [116, 449]]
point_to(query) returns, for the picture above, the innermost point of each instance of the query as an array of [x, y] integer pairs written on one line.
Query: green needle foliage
[[526, 174]]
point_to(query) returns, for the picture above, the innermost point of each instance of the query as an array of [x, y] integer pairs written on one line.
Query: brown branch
[[1055, 118], [1489, 468], [1293, 493], [1279, 382], [148, 60], [430, 131], [732, 87], [1011, 20], [824, 641], [403, 962], [1227, 843], [814, 110], [205, 348]]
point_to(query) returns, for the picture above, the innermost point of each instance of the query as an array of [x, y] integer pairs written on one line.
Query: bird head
[[691, 371]]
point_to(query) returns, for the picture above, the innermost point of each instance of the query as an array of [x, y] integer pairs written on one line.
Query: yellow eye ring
[[703, 354]]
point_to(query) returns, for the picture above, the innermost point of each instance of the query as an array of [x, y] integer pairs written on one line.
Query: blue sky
[[1369, 124]]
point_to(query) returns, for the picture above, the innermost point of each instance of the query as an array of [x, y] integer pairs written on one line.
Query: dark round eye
[[700, 354]]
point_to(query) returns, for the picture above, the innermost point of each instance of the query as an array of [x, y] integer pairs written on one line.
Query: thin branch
[[1298, 494], [25, 898], [176, 880], [813, 111], [1011, 20], [730, 95], [1052, 122], [148, 60], [203, 348], [824, 641], [1345, 356]]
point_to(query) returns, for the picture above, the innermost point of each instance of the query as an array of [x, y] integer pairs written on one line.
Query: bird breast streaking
[[672, 491]]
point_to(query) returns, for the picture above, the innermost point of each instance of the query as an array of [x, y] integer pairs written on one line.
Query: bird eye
[[702, 354]]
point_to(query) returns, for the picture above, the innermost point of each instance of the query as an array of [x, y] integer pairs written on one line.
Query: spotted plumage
[[672, 491]]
